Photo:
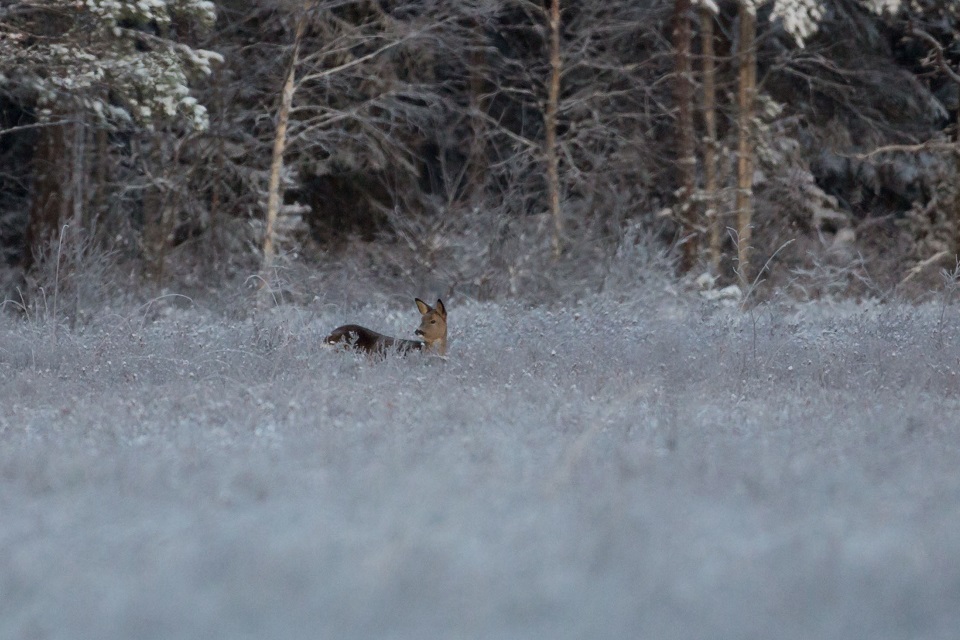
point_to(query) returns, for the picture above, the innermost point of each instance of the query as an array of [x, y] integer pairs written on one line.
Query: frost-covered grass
[[646, 468]]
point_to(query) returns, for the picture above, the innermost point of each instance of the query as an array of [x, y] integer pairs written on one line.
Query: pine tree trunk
[[686, 154], [100, 190], [276, 164], [52, 161], [746, 95], [79, 182], [550, 122], [956, 193], [711, 213], [52, 164], [161, 203], [213, 254], [478, 87], [154, 211]]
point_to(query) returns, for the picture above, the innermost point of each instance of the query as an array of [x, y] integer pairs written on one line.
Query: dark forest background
[[485, 148]]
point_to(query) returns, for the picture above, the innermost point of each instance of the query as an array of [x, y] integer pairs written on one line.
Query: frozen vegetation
[[644, 467]]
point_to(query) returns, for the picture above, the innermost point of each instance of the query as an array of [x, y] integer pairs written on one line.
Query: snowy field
[[658, 468]]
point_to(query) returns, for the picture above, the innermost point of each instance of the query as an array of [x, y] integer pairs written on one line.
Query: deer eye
[[433, 322]]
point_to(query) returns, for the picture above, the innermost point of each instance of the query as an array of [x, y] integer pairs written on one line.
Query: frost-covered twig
[[929, 145], [923, 264]]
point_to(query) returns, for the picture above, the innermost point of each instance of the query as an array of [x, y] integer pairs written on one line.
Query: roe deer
[[433, 331]]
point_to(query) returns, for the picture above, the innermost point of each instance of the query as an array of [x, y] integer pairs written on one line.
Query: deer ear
[[441, 309], [422, 306]]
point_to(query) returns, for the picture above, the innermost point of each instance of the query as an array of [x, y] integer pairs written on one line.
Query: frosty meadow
[[608, 453], [689, 472]]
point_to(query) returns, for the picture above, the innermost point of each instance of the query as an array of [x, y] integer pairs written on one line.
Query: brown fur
[[433, 330]]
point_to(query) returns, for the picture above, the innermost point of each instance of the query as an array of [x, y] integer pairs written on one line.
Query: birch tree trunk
[[746, 95], [550, 142], [686, 154], [276, 165], [709, 106]]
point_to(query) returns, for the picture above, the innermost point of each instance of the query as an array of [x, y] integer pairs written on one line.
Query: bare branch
[[373, 54], [937, 50], [929, 145], [35, 125]]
